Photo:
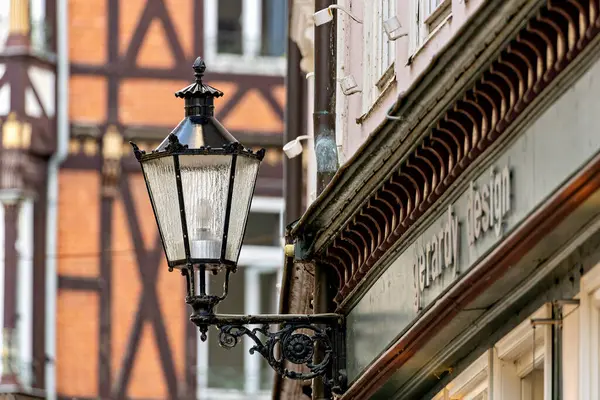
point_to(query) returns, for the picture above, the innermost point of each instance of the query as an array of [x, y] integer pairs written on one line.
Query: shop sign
[[487, 206], [551, 147]]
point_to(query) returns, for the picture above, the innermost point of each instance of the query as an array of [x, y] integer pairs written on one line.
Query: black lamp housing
[[201, 180]]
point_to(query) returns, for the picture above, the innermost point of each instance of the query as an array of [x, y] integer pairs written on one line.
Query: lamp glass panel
[[205, 182], [246, 170], [160, 177]]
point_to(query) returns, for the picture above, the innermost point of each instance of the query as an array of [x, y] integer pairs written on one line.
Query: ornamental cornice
[[547, 43]]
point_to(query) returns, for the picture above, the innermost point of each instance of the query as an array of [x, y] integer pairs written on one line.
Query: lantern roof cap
[[198, 89]]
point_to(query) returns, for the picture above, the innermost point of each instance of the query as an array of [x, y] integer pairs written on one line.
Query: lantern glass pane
[[160, 176], [246, 170], [205, 181]]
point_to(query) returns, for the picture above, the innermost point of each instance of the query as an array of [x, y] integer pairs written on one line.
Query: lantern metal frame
[[281, 339]]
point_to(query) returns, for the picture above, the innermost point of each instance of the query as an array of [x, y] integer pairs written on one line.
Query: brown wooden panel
[[78, 225], [77, 343], [182, 15], [87, 99], [254, 113], [230, 89], [144, 355], [279, 94], [170, 286], [130, 12], [87, 31], [143, 209], [125, 286], [150, 102], [171, 296], [147, 378]]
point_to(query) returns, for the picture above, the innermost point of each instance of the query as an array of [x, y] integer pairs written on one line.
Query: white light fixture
[[325, 15], [349, 85], [392, 28], [294, 148]]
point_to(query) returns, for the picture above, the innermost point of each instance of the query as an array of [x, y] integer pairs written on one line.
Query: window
[[589, 334], [430, 14], [4, 21], [253, 289], [522, 358], [532, 384], [273, 35], [470, 384], [229, 34], [40, 29], [40, 32], [239, 31], [379, 52]]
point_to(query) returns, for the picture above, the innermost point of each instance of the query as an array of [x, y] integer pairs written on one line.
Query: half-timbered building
[[89, 307], [460, 237]]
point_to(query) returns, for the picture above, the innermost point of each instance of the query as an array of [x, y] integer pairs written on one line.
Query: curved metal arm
[[344, 9], [295, 340], [296, 347]]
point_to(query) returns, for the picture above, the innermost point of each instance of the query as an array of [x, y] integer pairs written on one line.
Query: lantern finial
[[198, 89], [199, 68]]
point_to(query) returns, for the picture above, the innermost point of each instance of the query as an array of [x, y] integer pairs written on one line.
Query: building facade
[[89, 308], [462, 229]]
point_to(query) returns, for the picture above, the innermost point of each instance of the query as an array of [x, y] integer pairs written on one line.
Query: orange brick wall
[[79, 225], [77, 344], [88, 99], [87, 31], [157, 106], [146, 102]]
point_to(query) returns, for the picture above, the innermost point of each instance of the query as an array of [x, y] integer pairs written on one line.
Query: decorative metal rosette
[[298, 348]]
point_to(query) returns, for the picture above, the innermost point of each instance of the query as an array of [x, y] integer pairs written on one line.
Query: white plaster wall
[[350, 61], [4, 13], [44, 82]]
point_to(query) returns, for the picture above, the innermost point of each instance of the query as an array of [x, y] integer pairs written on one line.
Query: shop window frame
[[250, 61]]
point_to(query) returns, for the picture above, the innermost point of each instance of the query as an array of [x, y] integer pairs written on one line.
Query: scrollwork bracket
[[289, 344]]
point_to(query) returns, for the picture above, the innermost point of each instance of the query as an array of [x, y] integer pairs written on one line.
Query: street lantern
[[201, 180]]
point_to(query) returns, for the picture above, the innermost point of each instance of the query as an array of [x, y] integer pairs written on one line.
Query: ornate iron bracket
[[293, 343]]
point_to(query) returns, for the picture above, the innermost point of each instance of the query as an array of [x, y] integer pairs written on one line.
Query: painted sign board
[[505, 191]]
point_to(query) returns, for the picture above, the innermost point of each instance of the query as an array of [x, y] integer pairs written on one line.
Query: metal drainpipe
[[325, 152], [324, 112], [62, 118]]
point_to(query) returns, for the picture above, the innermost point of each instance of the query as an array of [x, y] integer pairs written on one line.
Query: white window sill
[[429, 37], [239, 64], [385, 84], [227, 394], [438, 11]]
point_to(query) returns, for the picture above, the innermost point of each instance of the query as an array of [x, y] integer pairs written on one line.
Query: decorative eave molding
[[548, 42], [446, 77]]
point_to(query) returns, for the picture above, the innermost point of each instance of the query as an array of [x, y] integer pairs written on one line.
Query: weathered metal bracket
[[289, 338]]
